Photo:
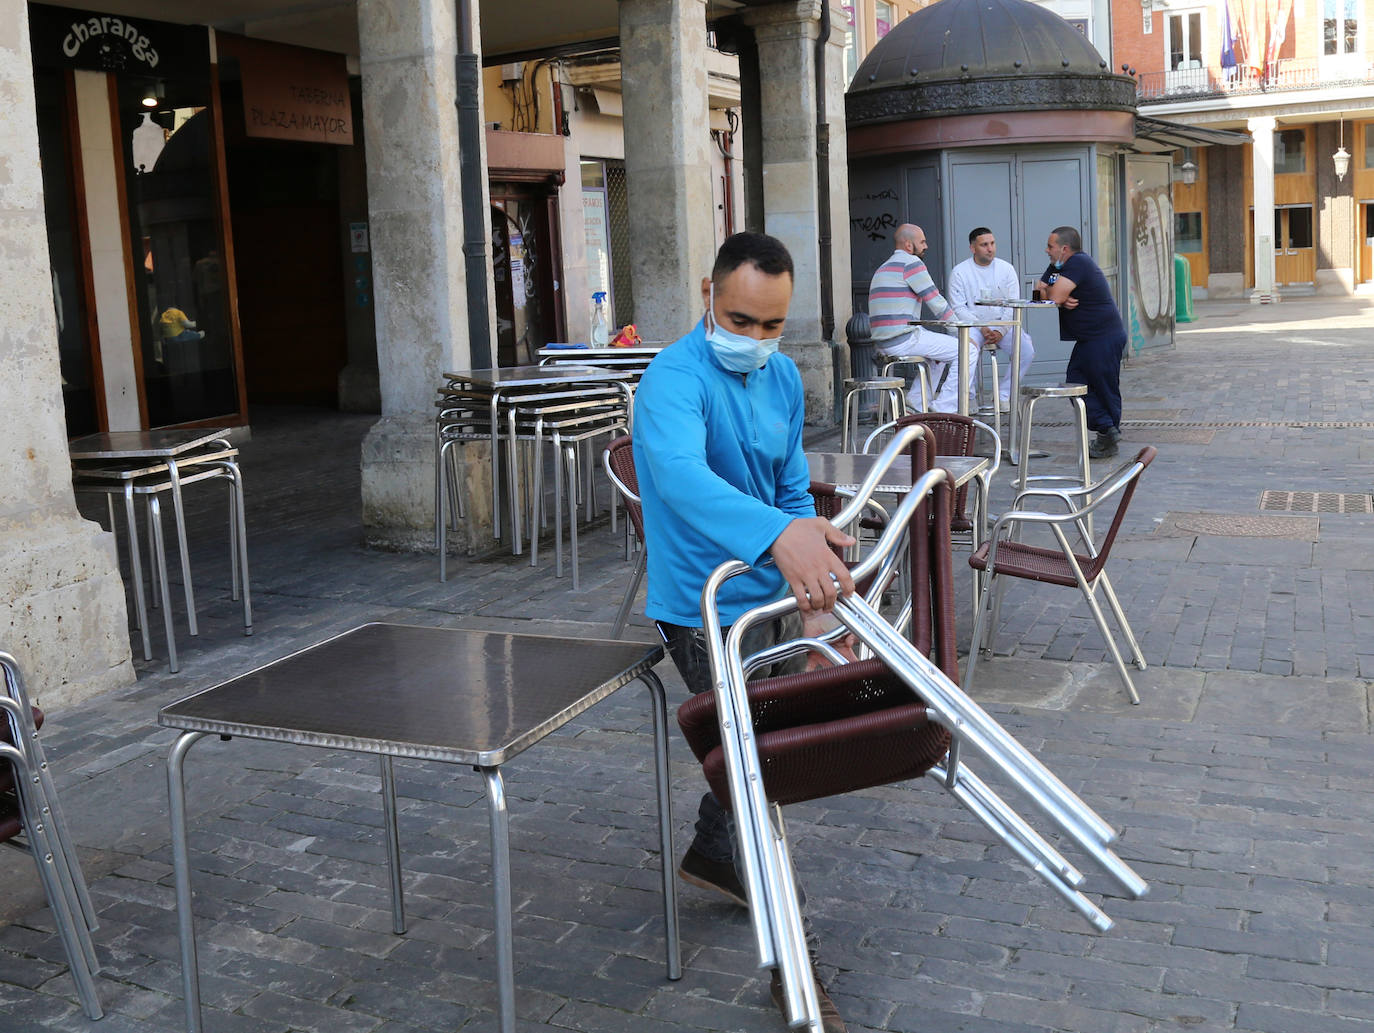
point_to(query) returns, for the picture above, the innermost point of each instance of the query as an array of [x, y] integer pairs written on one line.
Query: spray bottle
[[600, 330]]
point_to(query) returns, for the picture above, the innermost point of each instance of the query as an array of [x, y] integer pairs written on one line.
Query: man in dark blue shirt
[[1088, 316]]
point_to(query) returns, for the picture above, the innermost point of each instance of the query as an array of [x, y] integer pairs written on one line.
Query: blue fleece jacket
[[721, 473]]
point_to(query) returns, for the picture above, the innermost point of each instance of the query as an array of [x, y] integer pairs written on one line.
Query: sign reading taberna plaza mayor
[[96, 41]]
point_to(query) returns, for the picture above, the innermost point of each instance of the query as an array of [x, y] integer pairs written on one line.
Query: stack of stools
[[31, 821], [129, 471]]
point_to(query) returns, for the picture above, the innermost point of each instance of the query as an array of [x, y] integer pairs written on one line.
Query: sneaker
[[830, 1015], [699, 870], [1104, 447]]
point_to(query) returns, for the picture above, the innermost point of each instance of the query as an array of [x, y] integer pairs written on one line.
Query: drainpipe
[[467, 68], [825, 257]]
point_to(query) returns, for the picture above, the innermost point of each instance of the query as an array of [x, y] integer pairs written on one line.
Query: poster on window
[[598, 243]]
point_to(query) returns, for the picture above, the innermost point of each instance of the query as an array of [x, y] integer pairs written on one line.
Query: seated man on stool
[[899, 288], [984, 276], [722, 475]]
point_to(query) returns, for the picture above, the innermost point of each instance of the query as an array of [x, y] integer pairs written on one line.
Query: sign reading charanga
[[101, 42]]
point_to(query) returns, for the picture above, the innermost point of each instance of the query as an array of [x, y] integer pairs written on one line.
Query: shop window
[[851, 44], [1340, 27], [1290, 151], [1369, 145], [81, 385], [885, 16], [1188, 232], [188, 357], [1185, 41]]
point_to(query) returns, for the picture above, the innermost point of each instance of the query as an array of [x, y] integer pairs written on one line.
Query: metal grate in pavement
[[1174, 435], [1236, 525], [1316, 502]]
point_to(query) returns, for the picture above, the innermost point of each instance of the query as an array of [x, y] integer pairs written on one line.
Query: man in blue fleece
[[722, 475]]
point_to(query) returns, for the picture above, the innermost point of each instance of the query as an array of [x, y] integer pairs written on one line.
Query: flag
[[1279, 13], [1228, 39]]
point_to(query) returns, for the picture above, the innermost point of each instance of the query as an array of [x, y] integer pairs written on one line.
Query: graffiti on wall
[[1152, 264], [874, 215]]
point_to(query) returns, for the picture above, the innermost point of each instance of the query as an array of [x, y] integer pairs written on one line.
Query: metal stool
[[1032, 393], [922, 365], [891, 404]]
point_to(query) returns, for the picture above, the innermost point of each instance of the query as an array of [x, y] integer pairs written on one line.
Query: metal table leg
[[393, 847], [500, 891], [181, 867], [673, 948]]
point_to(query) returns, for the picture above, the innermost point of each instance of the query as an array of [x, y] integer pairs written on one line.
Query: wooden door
[[1295, 258]]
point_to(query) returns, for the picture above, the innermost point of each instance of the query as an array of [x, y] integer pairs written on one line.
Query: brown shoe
[[719, 877], [830, 1015]]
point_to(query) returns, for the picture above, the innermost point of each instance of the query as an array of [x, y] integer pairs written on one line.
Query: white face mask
[[736, 352]]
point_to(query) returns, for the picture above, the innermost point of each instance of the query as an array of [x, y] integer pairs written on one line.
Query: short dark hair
[[1068, 236], [977, 232], [767, 254]]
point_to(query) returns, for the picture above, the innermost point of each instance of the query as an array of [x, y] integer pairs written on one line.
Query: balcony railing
[[1285, 74]]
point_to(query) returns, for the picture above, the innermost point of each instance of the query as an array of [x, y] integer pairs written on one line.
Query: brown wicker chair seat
[[1034, 563], [828, 731]]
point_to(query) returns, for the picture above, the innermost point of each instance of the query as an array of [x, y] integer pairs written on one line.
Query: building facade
[[1292, 212], [212, 207]]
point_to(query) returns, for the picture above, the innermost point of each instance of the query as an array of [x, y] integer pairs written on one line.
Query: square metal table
[[462, 697]]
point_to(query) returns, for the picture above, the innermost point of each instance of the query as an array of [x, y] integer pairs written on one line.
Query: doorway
[[525, 271], [1295, 258]]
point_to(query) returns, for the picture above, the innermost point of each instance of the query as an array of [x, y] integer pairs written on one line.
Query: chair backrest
[[1124, 480], [954, 435], [619, 459]]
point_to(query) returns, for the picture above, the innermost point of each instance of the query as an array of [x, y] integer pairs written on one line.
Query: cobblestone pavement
[[1240, 783]]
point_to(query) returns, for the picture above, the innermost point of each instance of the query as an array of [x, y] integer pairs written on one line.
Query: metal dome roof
[[958, 55]]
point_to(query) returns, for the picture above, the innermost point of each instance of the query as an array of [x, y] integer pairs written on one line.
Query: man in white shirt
[[984, 275]]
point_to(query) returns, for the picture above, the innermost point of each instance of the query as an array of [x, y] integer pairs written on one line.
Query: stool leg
[[571, 459], [1083, 458], [179, 518], [136, 571], [160, 562]]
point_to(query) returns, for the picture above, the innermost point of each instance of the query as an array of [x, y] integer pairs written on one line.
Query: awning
[[1154, 135]]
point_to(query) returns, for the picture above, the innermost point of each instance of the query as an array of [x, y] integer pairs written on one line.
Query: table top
[[536, 376], [128, 471], [599, 353], [141, 444], [959, 324], [1014, 303], [847, 469], [466, 697]]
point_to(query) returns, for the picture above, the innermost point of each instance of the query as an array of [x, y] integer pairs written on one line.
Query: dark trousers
[[1097, 363], [687, 646]]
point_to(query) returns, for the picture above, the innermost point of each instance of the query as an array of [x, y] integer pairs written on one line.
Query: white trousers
[[942, 350], [1004, 347]]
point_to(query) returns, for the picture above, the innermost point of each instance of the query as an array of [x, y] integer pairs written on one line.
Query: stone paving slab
[[1239, 783]]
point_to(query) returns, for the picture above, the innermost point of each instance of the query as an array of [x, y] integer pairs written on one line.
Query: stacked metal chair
[[522, 422], [31, 820], [150, 479], [891, 718]]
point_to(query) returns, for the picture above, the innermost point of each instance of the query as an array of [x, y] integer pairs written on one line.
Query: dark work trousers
[[1097, 363], [715, 827]]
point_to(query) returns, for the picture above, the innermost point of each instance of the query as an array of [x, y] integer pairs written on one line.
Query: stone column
[[667, 161], [61, 597], [1262, 167], [410, 124], [786, 35]]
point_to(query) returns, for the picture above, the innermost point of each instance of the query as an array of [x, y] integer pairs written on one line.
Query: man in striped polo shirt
[[895, 296]]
